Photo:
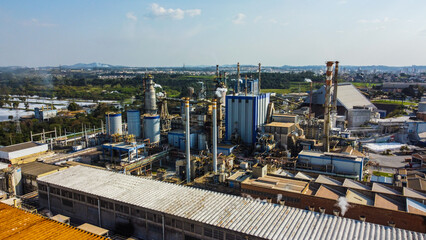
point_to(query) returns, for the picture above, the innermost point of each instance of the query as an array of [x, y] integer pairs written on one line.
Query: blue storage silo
[[245, 114], [134, 122]]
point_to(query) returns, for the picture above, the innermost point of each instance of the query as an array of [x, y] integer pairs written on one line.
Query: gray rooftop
[[251, 217], [348, 96]]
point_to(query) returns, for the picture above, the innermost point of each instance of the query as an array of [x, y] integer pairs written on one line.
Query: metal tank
[[114, 123], [201, 141], [150, 100], [134, 122], [151, 128]]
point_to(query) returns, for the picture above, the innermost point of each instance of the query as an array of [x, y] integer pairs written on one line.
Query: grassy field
[[280, 91], [382, 174], [385, 101], [361, 84]]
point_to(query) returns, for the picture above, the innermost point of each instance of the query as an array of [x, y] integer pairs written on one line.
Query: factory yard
[[392, 161]]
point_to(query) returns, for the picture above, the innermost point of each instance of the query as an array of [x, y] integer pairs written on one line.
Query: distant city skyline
[[174, 33]]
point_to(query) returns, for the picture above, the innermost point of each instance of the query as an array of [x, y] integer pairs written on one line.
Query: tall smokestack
[[238, 77], [329, 77], [336, 70], [259, 78], [245, 87], [188, 143], [214, 119], [217, 71]]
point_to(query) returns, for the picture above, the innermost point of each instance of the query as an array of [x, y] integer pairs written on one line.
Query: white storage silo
[[134, 122], [114, 123], [151, 128]]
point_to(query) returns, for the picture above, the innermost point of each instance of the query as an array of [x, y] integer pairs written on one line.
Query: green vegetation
[[382, 174], [386, 101], [364, 85]]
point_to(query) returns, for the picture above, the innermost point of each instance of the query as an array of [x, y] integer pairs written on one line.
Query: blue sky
[[195, 32]]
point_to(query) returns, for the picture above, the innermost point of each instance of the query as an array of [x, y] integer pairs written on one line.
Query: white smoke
[[279, 197], [308, 80], [343, 204], [158, 86], [221, 92]]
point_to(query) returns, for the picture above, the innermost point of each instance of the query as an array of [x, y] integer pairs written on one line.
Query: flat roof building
[[22, 152]]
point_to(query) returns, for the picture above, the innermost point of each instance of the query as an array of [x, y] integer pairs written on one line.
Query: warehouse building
[[244, 115], [22, 152], [338, 163], [159, 210], [351, 103], [376, 202]]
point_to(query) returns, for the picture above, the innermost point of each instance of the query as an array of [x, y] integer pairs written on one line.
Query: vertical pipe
[[329, 77], [188, 143], [259, 78], [214, 119], [48, 197], [99, 212], [245, 87], [238, 77], [336, 70]]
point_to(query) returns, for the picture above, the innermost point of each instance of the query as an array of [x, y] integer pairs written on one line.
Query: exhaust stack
[[188, 143], [238, 77], [214, 135], [328, 80]]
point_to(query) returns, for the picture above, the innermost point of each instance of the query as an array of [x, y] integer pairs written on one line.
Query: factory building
[[244, 115], [350, 102], [335, 163], [159, 210], [373, 202], [45, 113], [22, 152]]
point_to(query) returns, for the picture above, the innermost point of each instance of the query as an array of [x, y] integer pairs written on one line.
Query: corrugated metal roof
[[18, 224], [347, 95], [250, 217]]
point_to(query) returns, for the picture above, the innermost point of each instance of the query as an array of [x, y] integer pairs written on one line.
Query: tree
[[74, 106]]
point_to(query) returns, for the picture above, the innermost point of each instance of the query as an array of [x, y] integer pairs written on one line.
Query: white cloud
[[239, 19], [377, 20], [193, 12], [178, 14], [37, 23], [257, 19], [131, 16]]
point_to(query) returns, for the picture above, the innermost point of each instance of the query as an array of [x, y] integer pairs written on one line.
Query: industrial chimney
[[188, 143], [328, 80], [214, 120]]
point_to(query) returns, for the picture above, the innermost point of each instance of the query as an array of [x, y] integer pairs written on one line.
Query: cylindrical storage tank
[[151, 128], [201, 141], [194, 140], [134, 122], [114, 123]]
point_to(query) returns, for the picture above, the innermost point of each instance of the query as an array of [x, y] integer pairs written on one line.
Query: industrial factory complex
[[229, 162]]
